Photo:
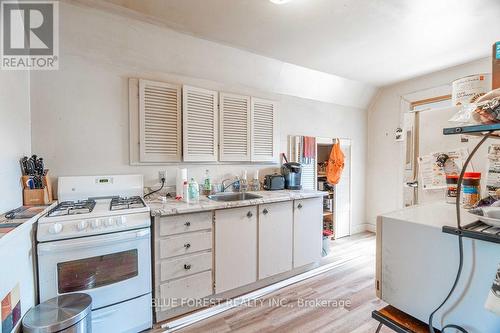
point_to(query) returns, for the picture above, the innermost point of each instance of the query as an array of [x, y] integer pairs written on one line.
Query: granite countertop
[[173, 207]]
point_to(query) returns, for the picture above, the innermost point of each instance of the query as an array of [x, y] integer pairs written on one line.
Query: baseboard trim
[[363, 227], [191, 319]]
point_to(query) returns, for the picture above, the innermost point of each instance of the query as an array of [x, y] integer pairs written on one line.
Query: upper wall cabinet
[[234, 142], [200, 124], [263, 129], [159, 122]]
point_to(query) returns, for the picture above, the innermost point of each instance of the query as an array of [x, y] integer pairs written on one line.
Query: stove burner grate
[[72, 208]]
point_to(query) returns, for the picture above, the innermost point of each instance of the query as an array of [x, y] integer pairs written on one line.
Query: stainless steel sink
[[233, 196]]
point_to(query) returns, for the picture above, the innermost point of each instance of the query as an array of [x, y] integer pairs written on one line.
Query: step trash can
[[70, 313]]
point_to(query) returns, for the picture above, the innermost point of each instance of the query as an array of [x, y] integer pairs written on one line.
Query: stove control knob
[[95, 224], [55, 228], [109, 222], [82, 225]]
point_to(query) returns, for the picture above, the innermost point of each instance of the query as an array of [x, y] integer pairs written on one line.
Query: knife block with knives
[[37, 189]]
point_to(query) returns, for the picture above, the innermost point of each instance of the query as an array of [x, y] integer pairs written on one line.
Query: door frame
[[409, 103]]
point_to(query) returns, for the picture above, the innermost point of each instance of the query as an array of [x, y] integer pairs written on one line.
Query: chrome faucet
[[234, 181]]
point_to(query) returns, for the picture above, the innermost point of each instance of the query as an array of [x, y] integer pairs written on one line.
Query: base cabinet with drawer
[[199, 255], [183, 259]]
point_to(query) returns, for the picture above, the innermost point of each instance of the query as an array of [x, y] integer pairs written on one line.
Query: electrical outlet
[[162, 175]]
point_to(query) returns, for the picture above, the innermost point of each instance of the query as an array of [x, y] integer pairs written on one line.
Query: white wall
[[384, 157], [15, 137], [80, 112]]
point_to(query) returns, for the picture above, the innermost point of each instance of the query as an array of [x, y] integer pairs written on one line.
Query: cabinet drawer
[[191, 287], [171, 225], [185, 244], [186, 265]]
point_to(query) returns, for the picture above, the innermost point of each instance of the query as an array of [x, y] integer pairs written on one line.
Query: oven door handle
[[82, 243]]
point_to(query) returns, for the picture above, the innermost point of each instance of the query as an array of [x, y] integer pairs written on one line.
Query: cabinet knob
[[265, 211], [186, 266], [187, 245], [249, 214], [187, 224], [299, 206]]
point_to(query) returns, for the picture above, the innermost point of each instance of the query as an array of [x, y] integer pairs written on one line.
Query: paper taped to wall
[[433, 168]]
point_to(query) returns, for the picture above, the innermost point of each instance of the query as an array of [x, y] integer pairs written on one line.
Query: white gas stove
[[95, 205], [97, 240]]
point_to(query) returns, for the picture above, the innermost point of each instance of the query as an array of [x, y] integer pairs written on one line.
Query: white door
[[342, 194], [275, 238], [307, 231], [431, 140], [235, 248]]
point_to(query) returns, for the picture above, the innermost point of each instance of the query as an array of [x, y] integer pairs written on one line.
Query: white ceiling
[[373, 41]]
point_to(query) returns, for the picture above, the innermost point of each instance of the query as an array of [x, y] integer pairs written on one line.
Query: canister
[[69, 313], [471, 189]]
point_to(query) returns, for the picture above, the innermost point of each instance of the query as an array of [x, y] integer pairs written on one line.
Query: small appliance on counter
[[274, 182], [292, 171]]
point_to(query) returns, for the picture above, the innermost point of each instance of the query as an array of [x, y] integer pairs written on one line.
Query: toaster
[[274, 182]]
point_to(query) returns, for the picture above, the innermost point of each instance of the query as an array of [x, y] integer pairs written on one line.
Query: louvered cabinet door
[[159, 121], [264, 134], [234, 141], [200, 124]]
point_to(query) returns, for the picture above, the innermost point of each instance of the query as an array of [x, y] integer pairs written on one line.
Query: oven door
[[110, 268]]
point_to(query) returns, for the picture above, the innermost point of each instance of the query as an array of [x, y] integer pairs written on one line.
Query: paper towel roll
[[181, 178]]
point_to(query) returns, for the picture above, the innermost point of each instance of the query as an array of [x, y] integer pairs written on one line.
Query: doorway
[[337, 205]]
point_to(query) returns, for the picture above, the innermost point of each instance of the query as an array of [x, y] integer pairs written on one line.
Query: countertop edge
[[26, 224], [158, 208]]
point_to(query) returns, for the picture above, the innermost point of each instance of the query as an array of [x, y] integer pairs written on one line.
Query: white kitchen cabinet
[[307, 231], [200, 114], [235, 248], [159, 122], [264, 140], [235, 136], [275, 238]]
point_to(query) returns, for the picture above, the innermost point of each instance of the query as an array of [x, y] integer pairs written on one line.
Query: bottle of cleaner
[[185, 191], [193, 191], [207, 184]]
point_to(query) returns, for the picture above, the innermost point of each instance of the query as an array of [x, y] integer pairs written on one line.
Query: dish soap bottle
[[244, 182], [207, 184], [193, 191]]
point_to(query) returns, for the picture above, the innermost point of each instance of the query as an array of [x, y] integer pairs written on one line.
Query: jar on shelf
[[471, 189], [451, 188]]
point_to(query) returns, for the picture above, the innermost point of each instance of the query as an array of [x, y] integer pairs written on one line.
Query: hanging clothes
[[335, 164]]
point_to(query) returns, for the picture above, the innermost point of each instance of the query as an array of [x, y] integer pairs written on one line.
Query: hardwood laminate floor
[[315, 304]]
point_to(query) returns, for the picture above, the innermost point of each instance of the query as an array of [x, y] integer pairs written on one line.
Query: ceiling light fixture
[[279, 2]]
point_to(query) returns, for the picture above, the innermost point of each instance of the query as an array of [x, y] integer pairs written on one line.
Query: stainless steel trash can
[[69, 313]]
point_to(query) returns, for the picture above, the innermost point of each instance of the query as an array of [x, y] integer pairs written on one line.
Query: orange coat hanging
[[335, 164]]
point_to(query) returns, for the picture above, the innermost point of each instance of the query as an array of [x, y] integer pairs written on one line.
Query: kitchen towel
[[309, 149]]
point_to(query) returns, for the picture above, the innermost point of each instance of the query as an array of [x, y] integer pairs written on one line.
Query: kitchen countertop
[[25, 223], [435, 214], [173, 207]]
